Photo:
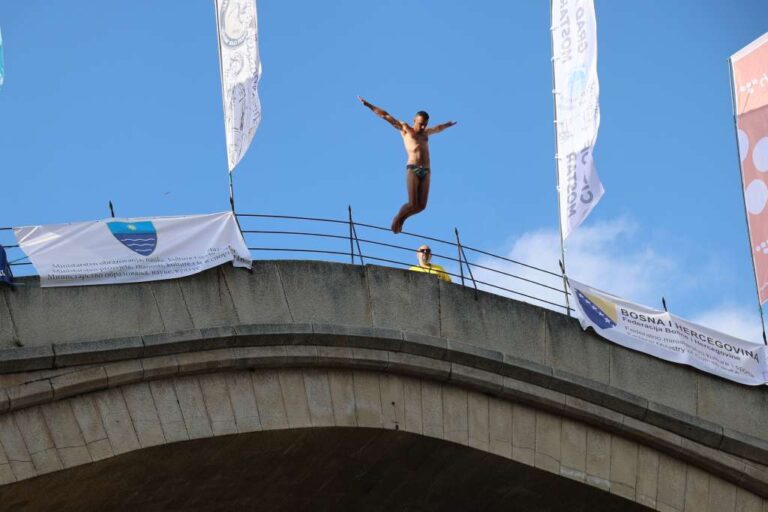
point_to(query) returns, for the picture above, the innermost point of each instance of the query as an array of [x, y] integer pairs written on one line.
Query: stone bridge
[[322, 386]]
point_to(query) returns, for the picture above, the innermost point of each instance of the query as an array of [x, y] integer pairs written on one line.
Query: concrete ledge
[[702, 431], [24, 359], [91, 352]]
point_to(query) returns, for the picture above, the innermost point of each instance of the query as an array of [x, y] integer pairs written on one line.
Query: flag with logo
[[6, 276], [749, 72], [240, 66], [577, 110], [669, 337], [113, 251]]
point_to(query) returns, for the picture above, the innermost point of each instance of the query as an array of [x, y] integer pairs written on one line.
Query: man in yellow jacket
[[424, 254]]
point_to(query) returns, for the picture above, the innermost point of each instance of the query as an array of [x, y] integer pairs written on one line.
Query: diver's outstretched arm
[[399, 125]]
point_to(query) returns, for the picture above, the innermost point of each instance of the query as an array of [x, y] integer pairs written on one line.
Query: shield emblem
[[140, 237]]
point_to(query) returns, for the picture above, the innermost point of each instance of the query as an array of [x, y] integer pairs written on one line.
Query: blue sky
[[123, 103]]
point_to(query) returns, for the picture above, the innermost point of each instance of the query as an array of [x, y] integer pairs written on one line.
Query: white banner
[[577, 111], [114, 251], [669, 337], [240, 74]]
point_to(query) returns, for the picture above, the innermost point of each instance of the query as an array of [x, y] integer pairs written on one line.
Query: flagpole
[[224, 106], [741, 178], [557, 162]]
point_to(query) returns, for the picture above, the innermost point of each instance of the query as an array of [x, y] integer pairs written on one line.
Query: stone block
[[343, 397], [159, 366], [533, 395], [78, 382], [33, 393], [572, 350], [254, 335], [243, 401], [326, 293], [722, 495], [65, 433], [196, 362], [548, 436], [523, 434], [260, 357], [686, 425], [370, 359], [38, 440], [269, 399], [404, 300], [392, 401], [45, 315], [257, 295], [662, 382], [744, 445], [423, 345], [479, 380], [319, 398], [476, 357], [573, 450], [455, 415], [21, 359], [124, 372], [216, 397], [208, 299], [295, 398], [91, 426], [479, 429], [747, 502], [598, 458], [651, 434], [647, 476], [192, 405], [500, 427], [672, 476], [173, 342], [696, 490], [623, 467], [420, 366], [117, 421], [16, 449], [174, 314], [432, 409], [367, 400], [413, 408], [594, 414], [734, 406], [94, 352], [169, 411], [493, 322], [141, 407], [526, 371]]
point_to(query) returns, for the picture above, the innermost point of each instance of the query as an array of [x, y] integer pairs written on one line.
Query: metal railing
[[345, 240], [348, 240]]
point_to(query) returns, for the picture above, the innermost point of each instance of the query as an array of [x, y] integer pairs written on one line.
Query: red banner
[[750, 85]]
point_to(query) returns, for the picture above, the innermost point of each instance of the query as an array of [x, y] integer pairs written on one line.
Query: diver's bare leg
[[412, 186]]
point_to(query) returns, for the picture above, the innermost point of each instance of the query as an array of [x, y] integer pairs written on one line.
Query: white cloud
[[604, 255]]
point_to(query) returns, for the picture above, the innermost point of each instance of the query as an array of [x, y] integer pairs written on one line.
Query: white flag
[[240, 74], [574, 56], [114, 251]]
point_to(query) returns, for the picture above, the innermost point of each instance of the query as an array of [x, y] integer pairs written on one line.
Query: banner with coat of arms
[[114, 251], [670, 337]]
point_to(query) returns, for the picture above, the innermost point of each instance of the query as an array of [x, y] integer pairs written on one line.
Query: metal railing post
[[351, 246], [458, 248], [464, 257]]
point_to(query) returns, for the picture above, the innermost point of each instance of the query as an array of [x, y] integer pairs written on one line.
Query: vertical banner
[[2, 66], [240, 66], [577, 111], [749, 70], [6, 276]]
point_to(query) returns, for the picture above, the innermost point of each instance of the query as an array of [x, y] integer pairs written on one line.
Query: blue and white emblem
[[140, 237]]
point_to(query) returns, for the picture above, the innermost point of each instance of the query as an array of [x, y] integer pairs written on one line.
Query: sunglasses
[[424, 251]]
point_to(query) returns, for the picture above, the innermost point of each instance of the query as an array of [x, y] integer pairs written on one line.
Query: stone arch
[[110, 410]]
